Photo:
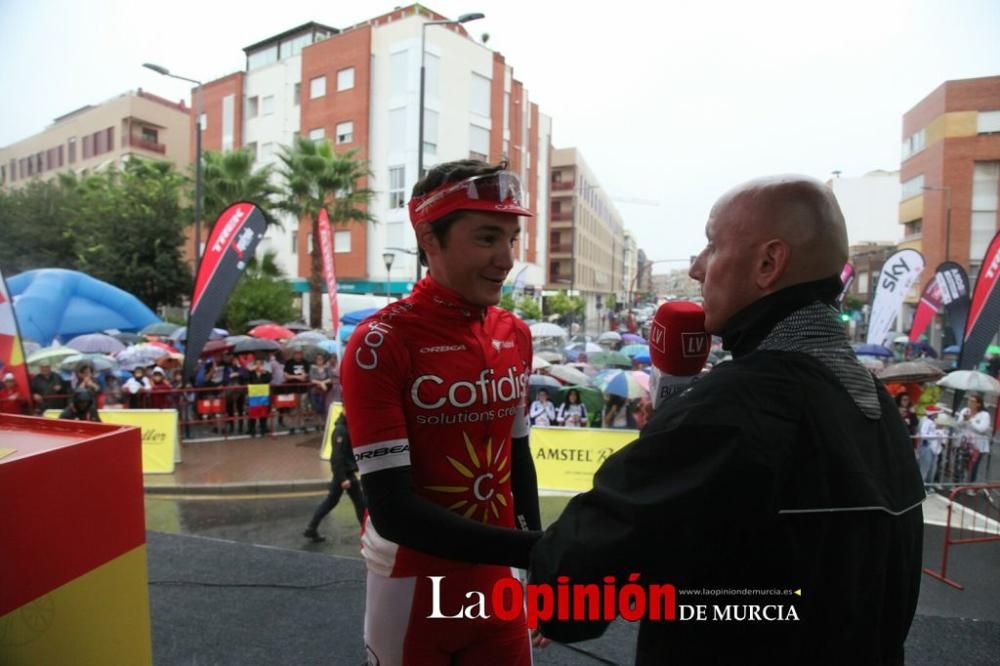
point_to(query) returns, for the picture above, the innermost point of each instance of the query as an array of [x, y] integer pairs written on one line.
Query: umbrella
[[167, 349], [330, 346], [585, 368], [180, 335], [632, 338], [609, 336], [170, 361], [642, 358], [96, 343], [642, 378], [901, 339], [355, 317], [256, 345], [308, 349], [160, 328], [634, 350], [236, 339], [953, 349], [298, 326], [872, 350], [30, 347], [608, 358], [128, 338], [970, 380], [271, 332], [258, 322], [309, 337], [50, 355], [543, 381], [993, 350], [591, 397], [568, 375], [99, 362], [141, 355], [621, 383], [547, 330], [537, 363], [550, 355], [908, 372], [213, 347], [871, 362], [587, 347]]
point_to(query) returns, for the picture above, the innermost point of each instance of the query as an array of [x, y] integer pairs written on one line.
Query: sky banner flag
[[329, 274], [234, 238], [899, 272], [984, 314], [948, 288], [846, 279], [11, 350]]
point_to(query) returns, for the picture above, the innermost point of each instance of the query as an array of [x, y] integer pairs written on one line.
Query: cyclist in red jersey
[[434, 388]]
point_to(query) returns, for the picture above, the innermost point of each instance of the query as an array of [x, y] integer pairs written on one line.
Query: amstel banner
[[160, 443], [567, 458]]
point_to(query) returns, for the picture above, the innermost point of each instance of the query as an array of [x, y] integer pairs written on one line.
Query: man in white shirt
[[931, 443]]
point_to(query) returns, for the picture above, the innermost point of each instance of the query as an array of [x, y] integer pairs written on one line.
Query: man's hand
[[539, 641], [345, 484]]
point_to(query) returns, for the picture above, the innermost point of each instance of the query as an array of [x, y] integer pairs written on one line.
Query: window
[[398, 72], [262, 58], [150, 135], [480, 103], [253, 104], [432, 75], [862, 284], [985, 179], [71, 149], [396, 233], [294, 46], [296, 94], [397, 130], [316, 134], [912, 187], [430, 131], [914, 143], [317, 87], [252, 149], [345, 132], [341, 242], [345, 79], [397, 187], [479, 143], [228, 116], [506, 114], [267, 105], [988, 122], [295, 240], [204, 122], [914, 228]]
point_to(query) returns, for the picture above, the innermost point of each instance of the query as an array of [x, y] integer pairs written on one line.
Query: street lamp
[[464, 18], [947, 231], [197, 158], [388, 258]]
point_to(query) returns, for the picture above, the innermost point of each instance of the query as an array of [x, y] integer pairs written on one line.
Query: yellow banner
[[160, 446], [567, 458], [325, 451]]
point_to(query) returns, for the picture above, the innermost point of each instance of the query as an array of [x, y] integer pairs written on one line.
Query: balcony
[[561, 248], [151, 146], [561, 187], [562, 216], [560, 279]]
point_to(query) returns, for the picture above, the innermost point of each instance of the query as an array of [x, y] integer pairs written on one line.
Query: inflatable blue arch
[[55, 302]]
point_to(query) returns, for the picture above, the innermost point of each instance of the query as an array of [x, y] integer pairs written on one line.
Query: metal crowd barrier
[[977, 521]]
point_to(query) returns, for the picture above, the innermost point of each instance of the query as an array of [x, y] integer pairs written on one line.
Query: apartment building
[[359, 87], [950, 173], [587, 245], [133, 124]]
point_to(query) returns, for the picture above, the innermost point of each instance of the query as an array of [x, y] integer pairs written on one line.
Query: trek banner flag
[[234, 238], [984, 315], [947, 289], [11, 351], [899, 272], [329, 274], [846, 279]]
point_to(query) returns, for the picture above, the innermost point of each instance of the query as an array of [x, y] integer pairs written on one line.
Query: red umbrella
[[271, 332], [162, 345], [216, 347]]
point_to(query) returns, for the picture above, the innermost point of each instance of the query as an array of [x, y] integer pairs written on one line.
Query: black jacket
[[763, 476], [341, 455]]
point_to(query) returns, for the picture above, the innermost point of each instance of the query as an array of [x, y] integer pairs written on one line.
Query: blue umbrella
[[642, 358], [357, 316], [621, 383], [953, 349], [872, 350], [634, 350]]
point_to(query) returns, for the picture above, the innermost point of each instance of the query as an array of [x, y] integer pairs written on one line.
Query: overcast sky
[[668, 101]]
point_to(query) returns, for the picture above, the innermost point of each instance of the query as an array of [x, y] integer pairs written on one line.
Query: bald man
[[779, 496]]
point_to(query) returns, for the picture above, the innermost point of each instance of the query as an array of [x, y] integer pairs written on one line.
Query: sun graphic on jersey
[[485, 474]]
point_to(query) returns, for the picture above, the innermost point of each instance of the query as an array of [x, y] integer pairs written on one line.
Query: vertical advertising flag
[[329, 274], [234, 238], [899, 272], [984, 313], [846, 279], [11, 350], [947, 289]]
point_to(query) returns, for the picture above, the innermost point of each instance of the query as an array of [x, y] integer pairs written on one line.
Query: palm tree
[[230, 176], [316, 177]]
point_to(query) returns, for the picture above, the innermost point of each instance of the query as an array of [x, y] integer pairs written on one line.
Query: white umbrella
[[970, 380], [568, 375], [586, 347], [609, 336], [547, 330], [537, 363]]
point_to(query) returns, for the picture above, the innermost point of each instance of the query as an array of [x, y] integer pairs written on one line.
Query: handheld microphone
[[678, 349]]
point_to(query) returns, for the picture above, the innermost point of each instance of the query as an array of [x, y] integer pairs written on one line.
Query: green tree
[[35, 222], [568, 308], [228, 177], [316, 177], [129, 227], [506, 302], [262, 293], [529, 308]]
